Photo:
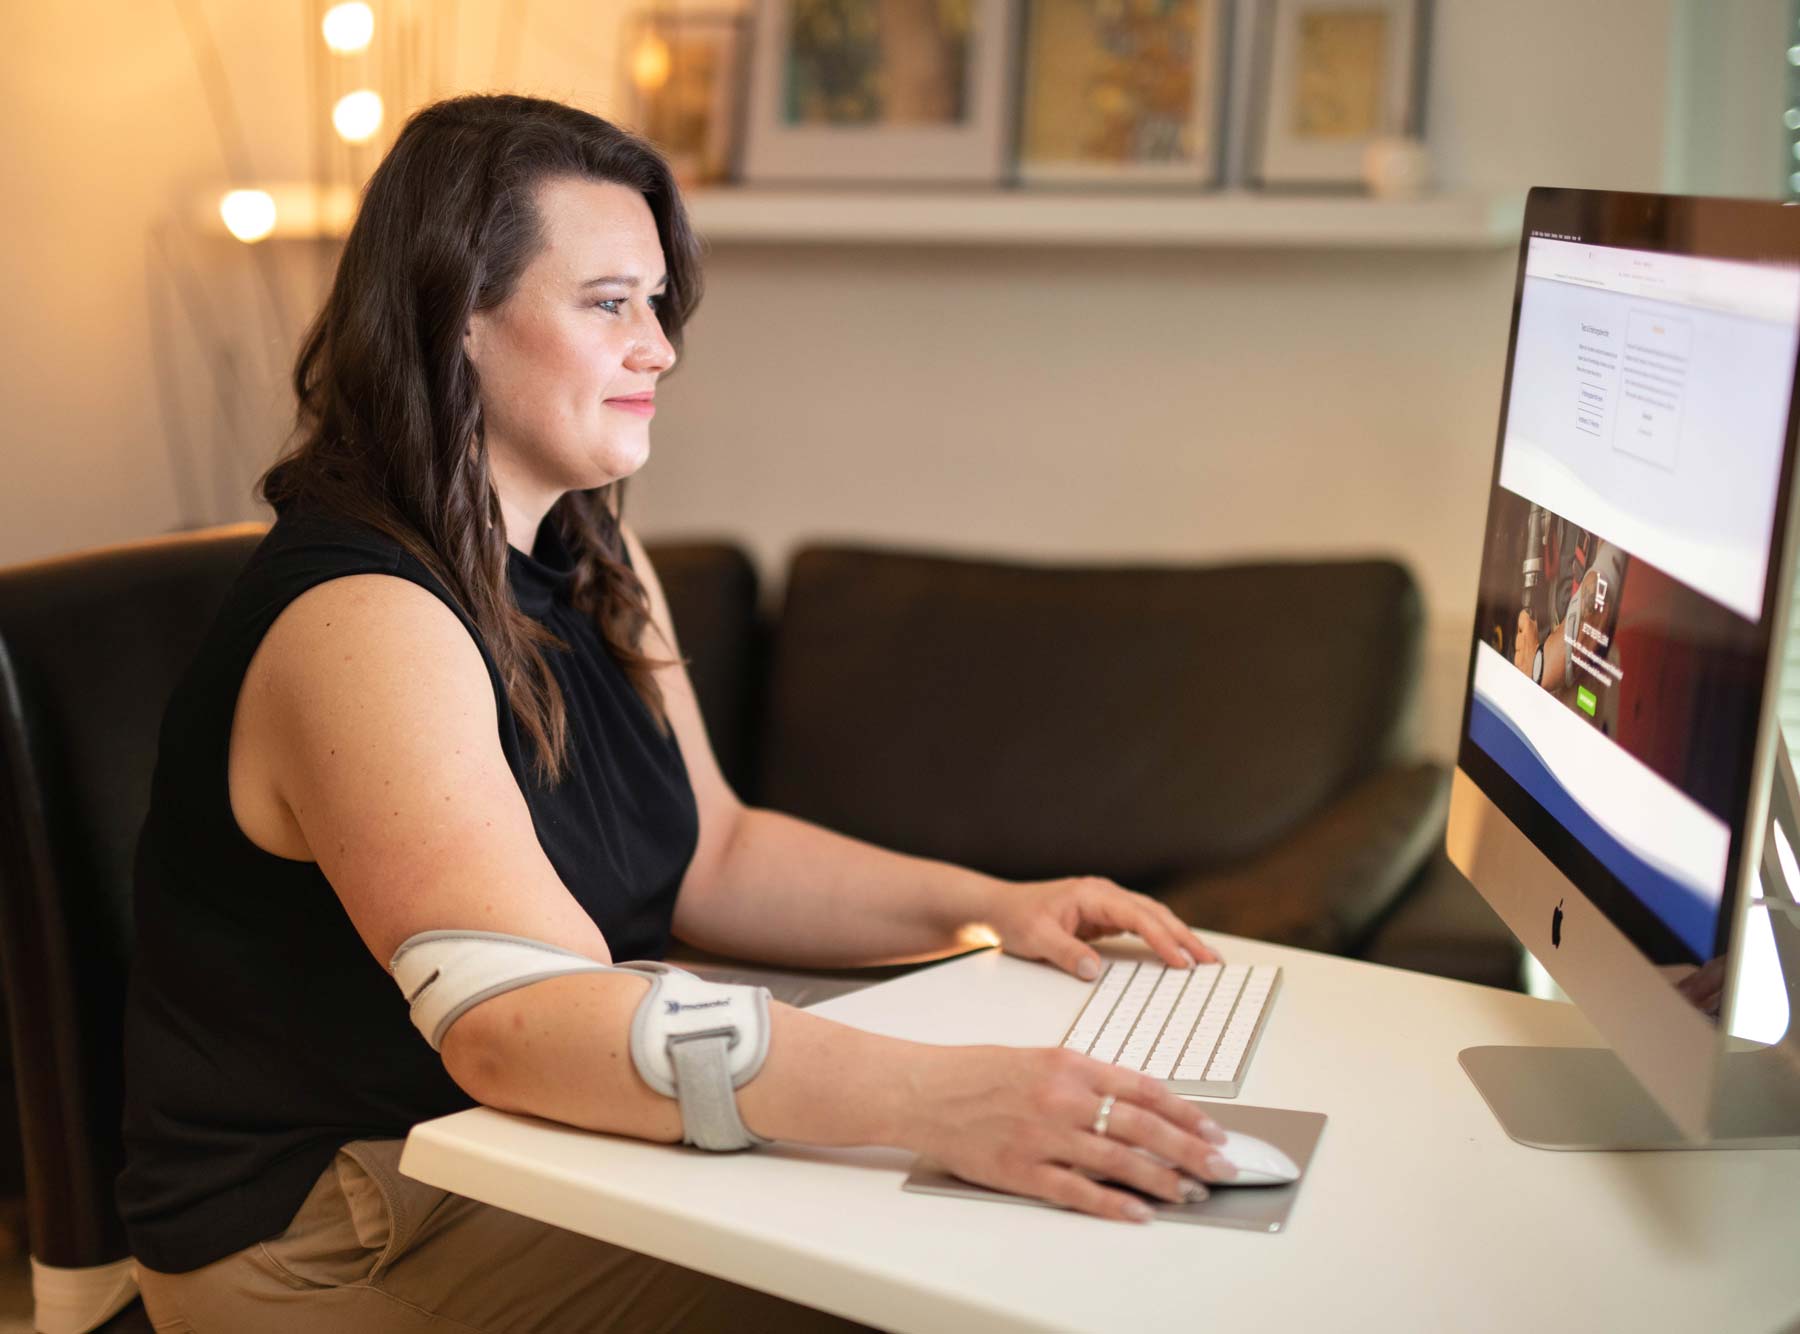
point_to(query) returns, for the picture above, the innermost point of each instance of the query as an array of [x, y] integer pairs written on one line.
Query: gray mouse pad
[[1257, 1208]]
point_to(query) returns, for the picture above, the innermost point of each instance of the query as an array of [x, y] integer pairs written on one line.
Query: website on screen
[[1627, 556]]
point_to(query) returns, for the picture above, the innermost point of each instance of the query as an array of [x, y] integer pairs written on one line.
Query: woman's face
[[568, 363]]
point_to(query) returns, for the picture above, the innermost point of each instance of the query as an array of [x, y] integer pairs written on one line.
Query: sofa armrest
[[1326, 885], [1444, 926]]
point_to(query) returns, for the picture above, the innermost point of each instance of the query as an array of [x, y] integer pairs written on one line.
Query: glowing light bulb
[[650, 63], [348, 28], [1791, 118], [357, 116], [248, 215]]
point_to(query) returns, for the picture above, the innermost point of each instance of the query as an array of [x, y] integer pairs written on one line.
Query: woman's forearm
[[786, 891], [1014, 1118], [560, 1049]]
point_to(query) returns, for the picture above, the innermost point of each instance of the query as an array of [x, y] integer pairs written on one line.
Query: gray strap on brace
[[709, 1112]]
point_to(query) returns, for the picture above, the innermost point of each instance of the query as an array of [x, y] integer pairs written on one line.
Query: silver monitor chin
[[1673, 1078]]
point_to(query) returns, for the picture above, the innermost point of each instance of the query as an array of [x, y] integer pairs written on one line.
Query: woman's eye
[[611, 304]]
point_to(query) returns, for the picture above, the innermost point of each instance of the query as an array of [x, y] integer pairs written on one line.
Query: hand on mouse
[[1027, 1120], [1052, 920]]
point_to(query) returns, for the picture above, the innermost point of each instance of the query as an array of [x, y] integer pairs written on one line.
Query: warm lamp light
[[650, 63], [348, 28], [357, 116], [249, 215]]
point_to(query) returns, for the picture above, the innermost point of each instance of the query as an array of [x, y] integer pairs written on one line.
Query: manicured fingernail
[[1219, 1168], [1192, 1191], [1138, 1212], [1209, 1129], [1088, 969], [1190, 958]]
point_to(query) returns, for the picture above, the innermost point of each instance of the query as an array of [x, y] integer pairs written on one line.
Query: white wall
[[1050, 403]]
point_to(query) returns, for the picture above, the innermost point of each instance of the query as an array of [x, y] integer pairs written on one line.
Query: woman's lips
[[642, 407]]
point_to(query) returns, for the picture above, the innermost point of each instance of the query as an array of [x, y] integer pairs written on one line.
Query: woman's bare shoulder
[[350, 664], [377, 634], [372, 730]]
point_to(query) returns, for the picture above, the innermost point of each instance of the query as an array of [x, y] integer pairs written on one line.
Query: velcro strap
[[709, 1112]]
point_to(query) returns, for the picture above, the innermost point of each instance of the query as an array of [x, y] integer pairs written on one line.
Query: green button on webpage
[[1585, 698]]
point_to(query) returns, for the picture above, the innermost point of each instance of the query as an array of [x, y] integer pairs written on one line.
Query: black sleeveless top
[[260, 1034]]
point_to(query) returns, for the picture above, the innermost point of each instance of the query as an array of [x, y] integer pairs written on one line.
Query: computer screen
[[1629, 566]]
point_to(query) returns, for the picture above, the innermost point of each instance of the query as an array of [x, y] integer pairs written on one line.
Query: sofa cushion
[[1136, 722], [1445, 927]]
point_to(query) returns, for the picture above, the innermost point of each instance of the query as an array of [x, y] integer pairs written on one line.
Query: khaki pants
[[371, 1250]]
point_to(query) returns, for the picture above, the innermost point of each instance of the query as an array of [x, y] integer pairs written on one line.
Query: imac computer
[[1622, 796]]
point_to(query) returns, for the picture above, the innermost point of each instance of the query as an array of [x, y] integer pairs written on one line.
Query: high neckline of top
[[540, 578]]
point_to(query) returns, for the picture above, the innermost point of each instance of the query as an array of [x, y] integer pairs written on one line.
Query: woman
[[446, 694]]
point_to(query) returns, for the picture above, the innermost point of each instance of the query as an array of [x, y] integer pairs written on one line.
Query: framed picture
[[1334, 75], [1122, 92], [880, 91], [684, 80]]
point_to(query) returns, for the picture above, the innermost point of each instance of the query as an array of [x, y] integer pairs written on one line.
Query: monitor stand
[[1585, 1098]]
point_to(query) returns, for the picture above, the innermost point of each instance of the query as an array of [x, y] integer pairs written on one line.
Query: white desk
[[1419, 1213]]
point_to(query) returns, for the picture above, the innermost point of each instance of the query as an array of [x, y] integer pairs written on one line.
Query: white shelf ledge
[[726, 215], [730, 215]]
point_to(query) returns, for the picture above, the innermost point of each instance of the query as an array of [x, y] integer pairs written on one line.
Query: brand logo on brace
[[676, 1007], [1556, 926]]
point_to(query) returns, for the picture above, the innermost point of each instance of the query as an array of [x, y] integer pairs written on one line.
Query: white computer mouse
[[1259, 1163]]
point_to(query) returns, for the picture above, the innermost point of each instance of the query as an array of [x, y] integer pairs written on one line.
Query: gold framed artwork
[[684, 81], [1333, 77], [880, 91], [1122, 92]]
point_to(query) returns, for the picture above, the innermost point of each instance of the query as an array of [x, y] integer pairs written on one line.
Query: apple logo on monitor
[[1556, 926]]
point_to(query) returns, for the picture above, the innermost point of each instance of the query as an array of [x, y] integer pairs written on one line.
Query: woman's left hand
[[1052, 920]]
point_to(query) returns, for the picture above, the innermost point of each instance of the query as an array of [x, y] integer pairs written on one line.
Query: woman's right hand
[[1022, 1119]]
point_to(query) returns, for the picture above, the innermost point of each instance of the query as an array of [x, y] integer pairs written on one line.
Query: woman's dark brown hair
[[389, 429]]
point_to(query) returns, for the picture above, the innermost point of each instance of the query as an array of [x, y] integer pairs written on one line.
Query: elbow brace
[[692, 1040]]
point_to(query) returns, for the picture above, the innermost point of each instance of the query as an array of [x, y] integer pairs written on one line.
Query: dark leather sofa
[[1229, 738]]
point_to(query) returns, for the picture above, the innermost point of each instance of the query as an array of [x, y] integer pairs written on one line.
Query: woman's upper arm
[[719, 805], [376, 721]]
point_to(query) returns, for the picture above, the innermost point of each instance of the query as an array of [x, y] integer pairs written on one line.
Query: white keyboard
[[1194, 1027]]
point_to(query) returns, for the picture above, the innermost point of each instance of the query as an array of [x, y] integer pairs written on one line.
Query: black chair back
[[91, 646]]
